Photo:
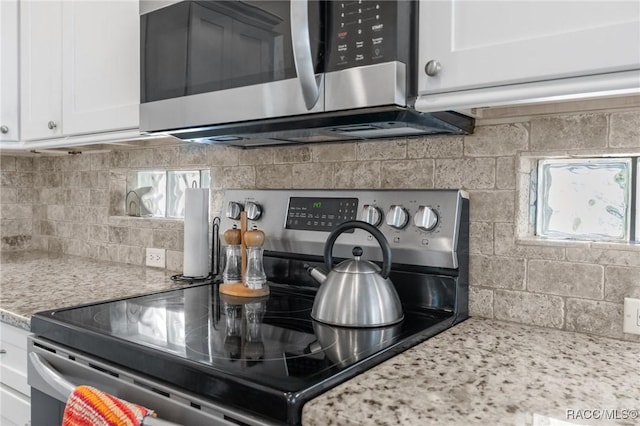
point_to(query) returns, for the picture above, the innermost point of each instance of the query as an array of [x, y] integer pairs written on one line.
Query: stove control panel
[[423, 227], [319, 213]]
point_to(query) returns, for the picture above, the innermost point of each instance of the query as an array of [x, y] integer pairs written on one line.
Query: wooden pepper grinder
[[253, 277], [232, 236]]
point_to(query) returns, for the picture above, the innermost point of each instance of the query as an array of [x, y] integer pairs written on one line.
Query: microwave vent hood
[[361, 124], [252, 73]]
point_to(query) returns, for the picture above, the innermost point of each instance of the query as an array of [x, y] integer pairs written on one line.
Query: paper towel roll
[[196, 232]]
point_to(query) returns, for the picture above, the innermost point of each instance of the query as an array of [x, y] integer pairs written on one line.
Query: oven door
[[214, 62], [54, 371]]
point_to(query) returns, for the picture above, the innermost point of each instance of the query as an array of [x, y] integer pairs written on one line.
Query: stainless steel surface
[[357, 293], [372, 85], [356, 299], [397, 217], [410, 246], [52, 125], [309, 83], [371, 214], [254, 211], [426, 218], [328, 107], [432, 68], [59, 387], [56, 370], [259, 101], [343, 344], [4, 129], [233, 210]]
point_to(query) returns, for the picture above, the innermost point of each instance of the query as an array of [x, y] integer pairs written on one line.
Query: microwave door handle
[[302, 53]]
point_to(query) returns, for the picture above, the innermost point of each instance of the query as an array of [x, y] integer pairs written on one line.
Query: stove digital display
[[320, 214]]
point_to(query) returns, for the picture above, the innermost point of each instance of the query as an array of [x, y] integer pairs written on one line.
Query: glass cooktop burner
[[224, 347]]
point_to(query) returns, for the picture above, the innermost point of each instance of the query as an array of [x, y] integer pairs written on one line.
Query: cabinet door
[[100, 66], [13, 359], [15, 408], [9, 71], [40, 69], [494, 43]]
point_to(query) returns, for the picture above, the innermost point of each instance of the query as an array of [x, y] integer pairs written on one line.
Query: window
[[587, 199], [160, 193]]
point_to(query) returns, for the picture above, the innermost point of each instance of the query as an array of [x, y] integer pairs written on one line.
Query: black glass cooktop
[[263, 355]]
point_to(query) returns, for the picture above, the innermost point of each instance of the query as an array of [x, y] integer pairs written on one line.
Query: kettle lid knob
[[357, 251]]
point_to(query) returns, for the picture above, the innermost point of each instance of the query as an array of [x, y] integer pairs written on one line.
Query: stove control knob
[[233, 210], [426, 218], [254, 210], [371, 214], [397, 217]]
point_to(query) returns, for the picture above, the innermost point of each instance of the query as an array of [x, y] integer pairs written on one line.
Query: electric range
[[259, 360]]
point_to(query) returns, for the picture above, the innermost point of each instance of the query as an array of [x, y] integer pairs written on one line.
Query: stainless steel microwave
[[251, 73]]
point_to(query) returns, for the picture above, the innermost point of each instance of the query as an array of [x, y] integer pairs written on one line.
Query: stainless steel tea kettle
[[356, 293]]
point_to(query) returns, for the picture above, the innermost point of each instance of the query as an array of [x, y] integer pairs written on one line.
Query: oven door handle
[[302, 53], [59, 384], [64, 388]]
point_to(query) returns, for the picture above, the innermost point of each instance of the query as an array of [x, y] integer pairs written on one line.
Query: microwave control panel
[[367, 32]]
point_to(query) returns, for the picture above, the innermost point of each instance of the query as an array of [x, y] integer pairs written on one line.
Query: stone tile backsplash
[[75, 204]]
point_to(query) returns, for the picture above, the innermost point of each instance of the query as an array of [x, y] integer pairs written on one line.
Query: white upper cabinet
[[490, 44], [40, 69], [100, 64], [9, 124], [79, 67]]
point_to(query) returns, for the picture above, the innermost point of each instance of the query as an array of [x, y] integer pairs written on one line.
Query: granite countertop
[[478, 372], [27, 287], [492, 373]]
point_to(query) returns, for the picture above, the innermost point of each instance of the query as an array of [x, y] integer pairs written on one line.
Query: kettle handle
[[352, 224]]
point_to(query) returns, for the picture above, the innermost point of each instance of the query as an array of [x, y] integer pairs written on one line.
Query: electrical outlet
[[155, 257], [631, 323]]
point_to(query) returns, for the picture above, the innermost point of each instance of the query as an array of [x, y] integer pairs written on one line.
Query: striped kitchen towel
[[88, 406]]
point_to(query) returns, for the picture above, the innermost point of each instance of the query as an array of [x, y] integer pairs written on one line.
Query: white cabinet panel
[[79, 68], [14, 390], [15, 408], [494, 43], [9, 125], [40, 69], [13, 359], [100, 66]]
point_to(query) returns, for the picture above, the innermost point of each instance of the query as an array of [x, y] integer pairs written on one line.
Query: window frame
[[204, 181], [632, 219]]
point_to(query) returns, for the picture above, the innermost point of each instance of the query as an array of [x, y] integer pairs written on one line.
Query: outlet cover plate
[[155, 257], [631, 322]]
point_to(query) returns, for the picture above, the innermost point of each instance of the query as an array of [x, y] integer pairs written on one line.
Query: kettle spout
[[316, 273]]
